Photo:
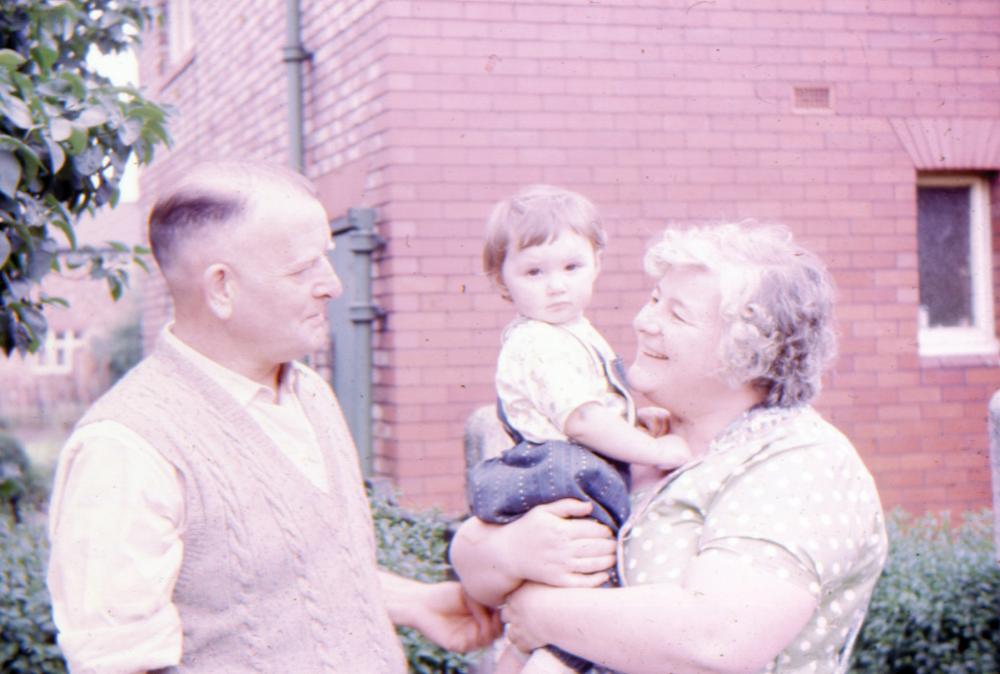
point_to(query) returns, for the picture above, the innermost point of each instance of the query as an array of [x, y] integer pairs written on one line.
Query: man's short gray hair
[[211, 195], [776, 302]]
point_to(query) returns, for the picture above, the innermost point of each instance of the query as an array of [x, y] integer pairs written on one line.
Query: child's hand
[[673, 452], [655, 420]]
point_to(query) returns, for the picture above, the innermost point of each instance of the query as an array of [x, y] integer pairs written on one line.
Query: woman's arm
[[727, 616], [553, 544]]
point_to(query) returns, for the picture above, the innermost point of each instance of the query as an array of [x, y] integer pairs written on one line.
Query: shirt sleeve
[[551, 371], [800, 513], [115, 526]]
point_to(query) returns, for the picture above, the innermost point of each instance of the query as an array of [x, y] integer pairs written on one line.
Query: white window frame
[[180, 31], [59, 345], [979, 338]]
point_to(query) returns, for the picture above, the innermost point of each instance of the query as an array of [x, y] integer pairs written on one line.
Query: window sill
[[960, 360]]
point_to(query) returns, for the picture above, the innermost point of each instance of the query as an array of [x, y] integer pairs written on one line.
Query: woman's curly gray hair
[[777, 302]]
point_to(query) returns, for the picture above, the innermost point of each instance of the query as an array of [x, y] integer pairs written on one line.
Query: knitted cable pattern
[[222, 422]]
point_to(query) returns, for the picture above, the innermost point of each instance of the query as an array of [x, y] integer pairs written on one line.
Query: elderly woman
[[760, 554]]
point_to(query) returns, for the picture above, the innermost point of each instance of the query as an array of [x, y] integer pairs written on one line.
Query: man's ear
[[219, 290]]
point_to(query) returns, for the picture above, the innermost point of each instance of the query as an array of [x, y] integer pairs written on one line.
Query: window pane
[[944, 251]]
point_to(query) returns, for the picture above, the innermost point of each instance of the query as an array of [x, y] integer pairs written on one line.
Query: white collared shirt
[[117, 520]]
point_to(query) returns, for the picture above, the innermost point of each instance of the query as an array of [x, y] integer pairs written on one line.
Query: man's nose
[[330, 284]]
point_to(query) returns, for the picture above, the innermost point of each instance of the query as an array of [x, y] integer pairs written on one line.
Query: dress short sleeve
[[786, 492], [802, 512]]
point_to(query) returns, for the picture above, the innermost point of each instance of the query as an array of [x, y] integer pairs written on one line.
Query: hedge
[[934, 611], [27, 634], [411, 544], [415, 545]]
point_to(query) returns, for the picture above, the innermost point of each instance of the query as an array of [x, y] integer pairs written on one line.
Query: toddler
[[561, 395]]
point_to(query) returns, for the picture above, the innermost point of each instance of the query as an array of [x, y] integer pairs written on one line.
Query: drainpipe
[[352, 319], [294, 55]]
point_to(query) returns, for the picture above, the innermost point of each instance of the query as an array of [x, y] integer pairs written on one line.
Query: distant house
[[872, 129], [54, 386]]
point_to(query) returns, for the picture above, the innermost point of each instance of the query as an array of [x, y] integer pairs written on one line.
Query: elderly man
[[208, 514]]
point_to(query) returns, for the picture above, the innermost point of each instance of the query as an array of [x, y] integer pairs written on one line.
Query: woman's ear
[[219, 290]]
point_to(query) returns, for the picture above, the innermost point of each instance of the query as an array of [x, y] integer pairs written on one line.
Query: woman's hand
[[552, 545], [517, 615]]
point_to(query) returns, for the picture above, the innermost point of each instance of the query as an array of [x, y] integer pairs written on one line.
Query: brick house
[[872, 129], [53, 387]]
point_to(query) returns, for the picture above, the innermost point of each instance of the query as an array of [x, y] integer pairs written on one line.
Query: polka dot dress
[[786, 492]]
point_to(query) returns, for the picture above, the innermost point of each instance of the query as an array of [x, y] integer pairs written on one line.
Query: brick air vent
[[811, 98]]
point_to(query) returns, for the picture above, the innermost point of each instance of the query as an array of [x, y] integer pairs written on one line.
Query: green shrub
[[27, 634], [120, 349], [415, 545], [19, 485], [936, 609]]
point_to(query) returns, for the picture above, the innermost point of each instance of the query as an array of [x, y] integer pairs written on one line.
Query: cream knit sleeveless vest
[[277, 576]]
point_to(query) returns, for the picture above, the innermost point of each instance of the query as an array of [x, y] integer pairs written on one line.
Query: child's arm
[[605, 431]]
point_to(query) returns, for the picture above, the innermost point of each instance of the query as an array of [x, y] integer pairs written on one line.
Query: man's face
[[283, 277]]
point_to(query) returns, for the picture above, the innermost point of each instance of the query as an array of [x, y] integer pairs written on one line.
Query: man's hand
[[442, 612], [453, 620]]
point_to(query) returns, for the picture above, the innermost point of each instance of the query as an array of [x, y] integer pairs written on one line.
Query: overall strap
[[614, 373]]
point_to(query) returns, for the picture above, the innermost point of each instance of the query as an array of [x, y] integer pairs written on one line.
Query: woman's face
[[677, 363]]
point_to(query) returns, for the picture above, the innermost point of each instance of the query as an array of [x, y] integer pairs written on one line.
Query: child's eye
[[533, 272], [572, 266]]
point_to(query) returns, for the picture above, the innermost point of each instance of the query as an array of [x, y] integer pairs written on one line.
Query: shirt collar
[[244, 389]]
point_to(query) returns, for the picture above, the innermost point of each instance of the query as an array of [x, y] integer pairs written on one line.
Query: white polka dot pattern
[[786, 492]]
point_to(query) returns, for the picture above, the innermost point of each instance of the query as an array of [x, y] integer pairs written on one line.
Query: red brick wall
[[661, 112], [228, 98]]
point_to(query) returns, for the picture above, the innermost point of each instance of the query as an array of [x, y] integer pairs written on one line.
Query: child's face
[[553, 281]]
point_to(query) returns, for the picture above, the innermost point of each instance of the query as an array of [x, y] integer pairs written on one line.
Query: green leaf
[[20, 289], [91, 117], [10, 174], [10, 59], [34, 321], [77, 140], [57, 157], [89, 161], [76, 85], [115, 287], [45, 56], [4, 249], [51, 299], [16, 111], [130, 131], [30, 158], [59, 128]]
